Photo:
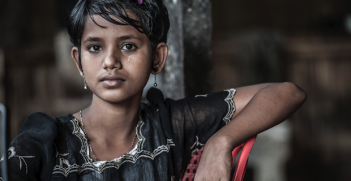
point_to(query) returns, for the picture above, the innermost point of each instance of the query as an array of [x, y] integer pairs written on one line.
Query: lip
[[111, 81]]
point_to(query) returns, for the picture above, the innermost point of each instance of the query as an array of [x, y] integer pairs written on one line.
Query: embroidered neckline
[[84, 141], [132, 158], [98, 163]]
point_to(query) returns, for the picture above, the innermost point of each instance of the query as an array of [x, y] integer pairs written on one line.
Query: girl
[[117, 44]]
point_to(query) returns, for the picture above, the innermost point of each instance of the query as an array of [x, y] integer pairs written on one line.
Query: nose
[[112, 60]]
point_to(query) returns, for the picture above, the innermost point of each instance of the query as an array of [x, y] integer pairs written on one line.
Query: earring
[[85, 83], [155, 84]]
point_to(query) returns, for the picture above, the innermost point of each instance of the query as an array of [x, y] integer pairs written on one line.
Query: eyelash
[[90, 48], [133, 46]]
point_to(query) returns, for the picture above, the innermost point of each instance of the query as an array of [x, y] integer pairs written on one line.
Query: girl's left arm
[[258, 108]]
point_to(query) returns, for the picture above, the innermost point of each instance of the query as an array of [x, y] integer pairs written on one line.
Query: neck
[[105, 121]]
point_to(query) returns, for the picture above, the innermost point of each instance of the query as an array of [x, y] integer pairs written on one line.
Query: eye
[[128, 47], [95, 48]]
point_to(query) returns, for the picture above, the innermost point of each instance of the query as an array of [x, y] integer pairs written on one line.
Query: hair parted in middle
[[152, 19]]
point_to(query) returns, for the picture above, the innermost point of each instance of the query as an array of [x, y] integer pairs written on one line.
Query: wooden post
[[188, 68], [197, 29], [174, 69]]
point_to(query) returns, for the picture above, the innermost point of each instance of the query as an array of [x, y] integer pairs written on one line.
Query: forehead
[[93, 28]]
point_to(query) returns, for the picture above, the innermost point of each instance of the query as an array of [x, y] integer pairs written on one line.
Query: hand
[[215, 163]]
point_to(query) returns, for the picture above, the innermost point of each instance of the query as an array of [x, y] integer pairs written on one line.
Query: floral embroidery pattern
[[64, 166], [12, 154]]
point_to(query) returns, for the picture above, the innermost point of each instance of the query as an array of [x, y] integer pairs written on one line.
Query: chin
[[115, 97]]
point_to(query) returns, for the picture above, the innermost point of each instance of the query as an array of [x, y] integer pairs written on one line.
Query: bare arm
[[258, 108]]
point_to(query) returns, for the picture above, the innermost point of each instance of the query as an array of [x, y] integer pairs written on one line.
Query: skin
[[130, 58], [111, 118]]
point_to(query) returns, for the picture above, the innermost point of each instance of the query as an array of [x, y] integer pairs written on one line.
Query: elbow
[[296, 93]]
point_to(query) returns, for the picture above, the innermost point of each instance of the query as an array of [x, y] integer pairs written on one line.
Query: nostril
[[112, 62]]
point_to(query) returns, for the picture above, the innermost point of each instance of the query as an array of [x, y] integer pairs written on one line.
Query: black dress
[[168, 132]]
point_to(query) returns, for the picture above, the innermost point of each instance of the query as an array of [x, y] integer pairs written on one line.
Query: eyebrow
[[126, 37], [93, 39]]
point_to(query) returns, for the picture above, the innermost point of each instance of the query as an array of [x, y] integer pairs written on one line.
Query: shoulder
[[220, 100], [38, 116], [42, 119], [41, 124], [155, 96], [38, 121]]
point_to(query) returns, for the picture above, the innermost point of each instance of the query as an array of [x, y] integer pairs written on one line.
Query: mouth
[[111, 81]]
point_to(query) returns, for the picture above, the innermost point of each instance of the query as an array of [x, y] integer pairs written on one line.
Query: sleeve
[[195, 120], [31, 154], [202, 115]]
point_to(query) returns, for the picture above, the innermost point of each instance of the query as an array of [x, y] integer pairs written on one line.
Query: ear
[[75, 57], [161, 53]]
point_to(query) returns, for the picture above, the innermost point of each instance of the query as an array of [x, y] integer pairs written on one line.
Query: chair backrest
[[243, 159], [240, 168]]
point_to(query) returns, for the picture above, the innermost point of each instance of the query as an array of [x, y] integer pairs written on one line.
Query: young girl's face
[[116, 60]]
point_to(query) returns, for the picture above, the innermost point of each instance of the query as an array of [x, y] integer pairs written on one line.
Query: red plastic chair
[[240, 168]]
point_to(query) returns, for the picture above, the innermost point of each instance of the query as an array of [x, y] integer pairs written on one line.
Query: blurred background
[[214, 45]]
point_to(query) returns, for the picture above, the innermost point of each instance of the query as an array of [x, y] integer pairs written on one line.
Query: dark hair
[[152, 18]]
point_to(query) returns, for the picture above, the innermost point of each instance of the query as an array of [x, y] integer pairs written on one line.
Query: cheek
[[91, 67], [138, 60], [140, 67], [130, 57], [89, 61]]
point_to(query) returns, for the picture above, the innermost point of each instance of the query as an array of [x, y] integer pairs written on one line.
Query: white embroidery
[[89, 165], [170, 142], [196, 145], [59, 169], [64, 166], [12, 154], [231, 105], [205, 95]]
